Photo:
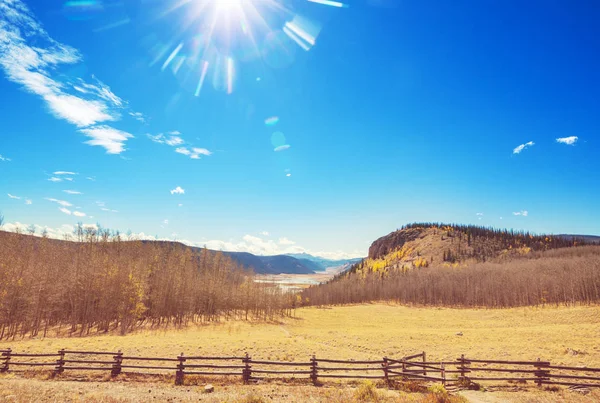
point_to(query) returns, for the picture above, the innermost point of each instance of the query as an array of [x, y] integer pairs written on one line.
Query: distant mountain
[[586, 238], [323, 263], [278, 264], [274, 264]]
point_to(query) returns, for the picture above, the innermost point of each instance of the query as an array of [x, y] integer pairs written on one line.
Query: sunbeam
[[216, 36]]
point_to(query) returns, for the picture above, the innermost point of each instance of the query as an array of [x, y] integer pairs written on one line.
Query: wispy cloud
[[55, 179], [568, 140], [90, 178], [61, 202], [261, 246], [520, 148], [108, 210], [65, 173], [28, 202], [523, 213], [174, 139], [264, 233], [138, 116], [4, 159], [479, 214], [72, 192], [183, 150], [282, 148], [78, 214], [13, 196], [65, 210], [178, 190], [111, 139], [29, 57]]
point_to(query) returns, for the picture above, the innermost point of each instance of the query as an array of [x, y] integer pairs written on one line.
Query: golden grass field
[[564, 335]]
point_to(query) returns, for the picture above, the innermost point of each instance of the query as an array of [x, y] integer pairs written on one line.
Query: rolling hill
[[465, 265], [278, 264]]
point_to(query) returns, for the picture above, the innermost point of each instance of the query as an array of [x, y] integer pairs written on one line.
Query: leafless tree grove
[[102, 283], [559, 276]]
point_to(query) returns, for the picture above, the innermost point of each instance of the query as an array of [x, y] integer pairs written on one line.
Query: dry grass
[[370, 331], [359, 332]]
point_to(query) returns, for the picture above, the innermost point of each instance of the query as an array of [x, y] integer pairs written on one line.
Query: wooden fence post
[[539, 374], [180, 368], [443, 374], [424, 361], [6, 356], [116, 368], [385, 371], [247, 372], [313, 370], [60, 363], [403, 368], [462, 365]]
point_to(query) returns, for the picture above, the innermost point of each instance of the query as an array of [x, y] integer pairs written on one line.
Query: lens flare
[[82, 10], [272, 121], [202, 77], [329, 3], [218, 37]]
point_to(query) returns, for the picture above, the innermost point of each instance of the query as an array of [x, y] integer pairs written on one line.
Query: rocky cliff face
[[393, 241]]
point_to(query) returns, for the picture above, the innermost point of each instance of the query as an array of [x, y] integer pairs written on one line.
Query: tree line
[[102, 282], [560, 276]]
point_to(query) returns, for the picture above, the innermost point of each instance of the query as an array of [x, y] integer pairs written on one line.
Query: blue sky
[[315, 128]]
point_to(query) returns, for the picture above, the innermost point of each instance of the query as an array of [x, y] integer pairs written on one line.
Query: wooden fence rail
[[413, 367]]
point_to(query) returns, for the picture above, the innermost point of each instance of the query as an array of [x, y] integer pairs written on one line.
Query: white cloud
[[138, 116], [72, 192], [4, 159], [523, 213], [174, 141], [108, 210], [249, 243], [55, 179], [568, 140], [479, 214], [91, 178], [13, 197], [61, 202], [29, 202], [520, 148], [264, 233], [78, 214], [180, 205], [285, 241], [159, 138], [259, 246], [166, 222], [178, 190], [288, 175], [65, 210], [111, 139], [30, 57], [282, 148], [65, 173], [202, 151], [183, 150]]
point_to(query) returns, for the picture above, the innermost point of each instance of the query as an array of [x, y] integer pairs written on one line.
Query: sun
[[228, 6], [214, 38]]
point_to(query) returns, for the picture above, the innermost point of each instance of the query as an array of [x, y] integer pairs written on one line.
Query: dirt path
[[480, 397]]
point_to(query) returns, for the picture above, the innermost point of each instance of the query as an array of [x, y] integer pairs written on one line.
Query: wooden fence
[[414, 367]]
